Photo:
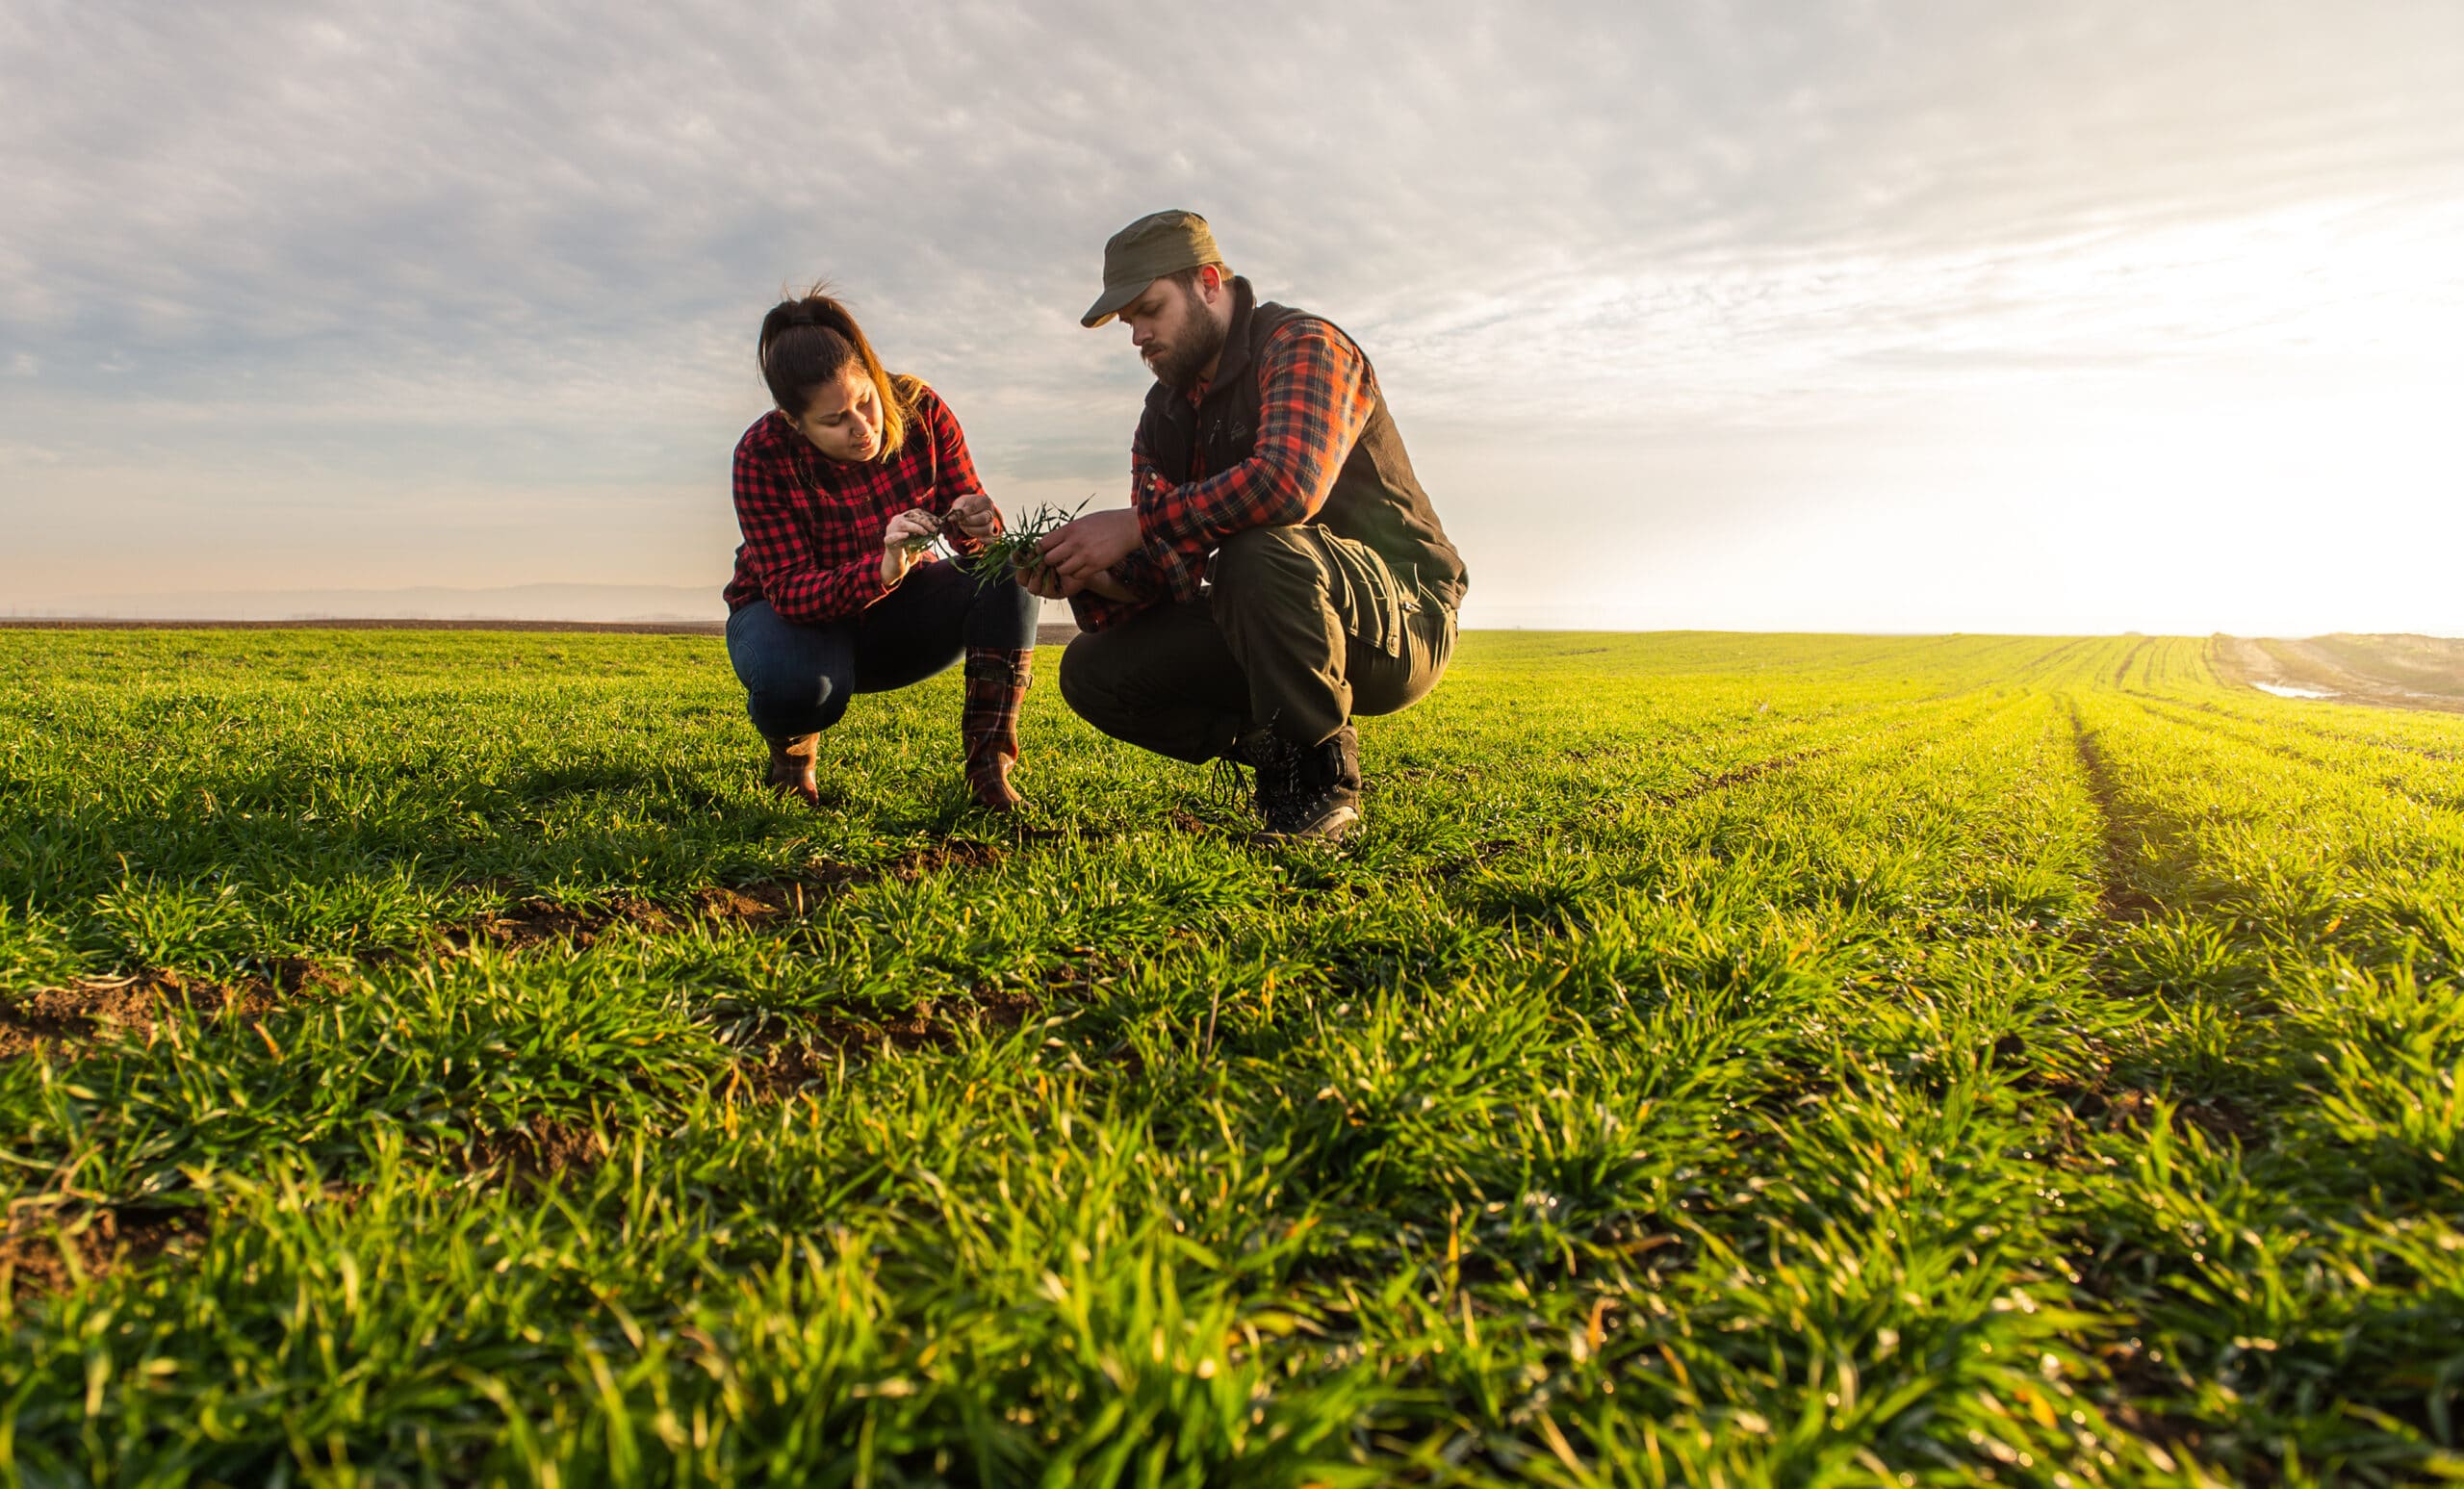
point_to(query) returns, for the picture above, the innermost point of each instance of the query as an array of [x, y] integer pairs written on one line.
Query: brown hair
[[812, 341]]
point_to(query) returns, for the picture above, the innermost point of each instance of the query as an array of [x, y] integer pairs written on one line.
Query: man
[[1279, 569]]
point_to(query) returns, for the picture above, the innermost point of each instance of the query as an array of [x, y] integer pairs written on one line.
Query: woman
[[840, 491]]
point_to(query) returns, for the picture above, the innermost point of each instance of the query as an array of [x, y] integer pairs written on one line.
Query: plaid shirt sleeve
[[1316, 394], [801, 583], [954, 470]]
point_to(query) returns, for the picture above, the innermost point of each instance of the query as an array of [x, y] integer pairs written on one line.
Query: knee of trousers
[[1101, 683], [1264, 564], [1083, 678], [795, 703], [1011, 609]]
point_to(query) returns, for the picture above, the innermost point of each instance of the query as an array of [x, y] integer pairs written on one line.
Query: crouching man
[[1279, 569]]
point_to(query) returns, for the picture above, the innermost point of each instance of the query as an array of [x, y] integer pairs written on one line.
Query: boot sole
[[1333, 825]]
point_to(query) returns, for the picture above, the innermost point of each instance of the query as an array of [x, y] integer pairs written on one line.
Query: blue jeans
[[797, 679]]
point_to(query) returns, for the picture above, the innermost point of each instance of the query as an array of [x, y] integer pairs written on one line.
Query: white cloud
[[356, 250]]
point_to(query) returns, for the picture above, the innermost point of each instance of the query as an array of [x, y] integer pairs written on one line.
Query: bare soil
[[56, 1020], [537, 1150], [527, 923], [2393, 672], [797, 1058], [44, 1255]]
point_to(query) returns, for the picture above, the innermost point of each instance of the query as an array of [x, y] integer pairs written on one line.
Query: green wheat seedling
[[1017, 551]]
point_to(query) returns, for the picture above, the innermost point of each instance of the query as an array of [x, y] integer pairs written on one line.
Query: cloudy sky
[[1878, 314]]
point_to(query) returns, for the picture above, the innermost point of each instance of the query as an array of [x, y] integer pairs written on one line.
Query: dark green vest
[[1376, 500]]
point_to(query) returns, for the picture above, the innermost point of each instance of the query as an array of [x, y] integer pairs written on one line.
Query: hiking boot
[[1321, 800], [1274, 766], [791, 758]]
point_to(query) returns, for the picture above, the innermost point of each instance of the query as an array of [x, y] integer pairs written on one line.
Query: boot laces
[[1229, 785]]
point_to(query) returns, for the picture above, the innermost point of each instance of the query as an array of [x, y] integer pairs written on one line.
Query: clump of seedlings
[[1018, 548]]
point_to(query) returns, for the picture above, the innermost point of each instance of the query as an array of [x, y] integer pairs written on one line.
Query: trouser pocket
[[1364, 592]]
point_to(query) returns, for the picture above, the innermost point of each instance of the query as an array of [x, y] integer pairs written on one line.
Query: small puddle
[[2282, 690]]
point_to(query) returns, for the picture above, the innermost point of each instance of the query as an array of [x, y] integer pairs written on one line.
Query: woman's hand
[[975, 516], [904, 541]]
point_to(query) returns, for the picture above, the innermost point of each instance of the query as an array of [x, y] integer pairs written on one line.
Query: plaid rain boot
[[791, 758], [996, 685]]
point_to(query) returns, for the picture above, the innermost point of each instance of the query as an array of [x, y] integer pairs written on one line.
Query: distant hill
[[2413, 672], [658, 606], [629, 602]]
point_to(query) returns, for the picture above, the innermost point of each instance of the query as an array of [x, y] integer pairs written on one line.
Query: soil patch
[[1739, 774], [536, 1150], [2214, 1115], [527, 923], [38, 1260], [798, 1053], [531, 922], [2387, 672], [54, 1019], [1751, 770], [2132, 1108]]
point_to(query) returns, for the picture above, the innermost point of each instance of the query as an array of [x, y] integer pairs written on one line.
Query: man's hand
[[1082, 550], [1042, 581], [1052, 586], [975, 516], [904, 541]]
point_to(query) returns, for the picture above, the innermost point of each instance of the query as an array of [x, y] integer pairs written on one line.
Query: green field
[[428, 1058]]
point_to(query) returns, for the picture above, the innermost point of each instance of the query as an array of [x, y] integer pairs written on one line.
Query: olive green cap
[[1156, 244]]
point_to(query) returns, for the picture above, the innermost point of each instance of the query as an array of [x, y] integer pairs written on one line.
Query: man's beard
[[1186, 357]]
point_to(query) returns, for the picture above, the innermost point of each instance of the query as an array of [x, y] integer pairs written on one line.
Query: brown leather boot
[[987, 775], [996, 687], [791, 758]]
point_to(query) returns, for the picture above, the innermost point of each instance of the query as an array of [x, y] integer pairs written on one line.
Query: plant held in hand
[[1018, 549]]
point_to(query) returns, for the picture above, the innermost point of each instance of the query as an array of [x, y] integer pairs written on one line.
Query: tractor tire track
[[2119, 899], [2122, 674], [2046, 663]]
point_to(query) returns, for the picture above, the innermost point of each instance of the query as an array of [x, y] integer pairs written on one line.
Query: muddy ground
[[2397, 672]]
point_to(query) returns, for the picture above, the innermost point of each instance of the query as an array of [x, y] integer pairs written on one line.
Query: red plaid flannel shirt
[[1316, 394], [812, 525]]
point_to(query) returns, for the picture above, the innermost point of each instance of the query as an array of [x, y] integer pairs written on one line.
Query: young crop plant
[[1018, 548]]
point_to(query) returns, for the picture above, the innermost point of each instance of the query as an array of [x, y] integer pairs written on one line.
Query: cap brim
[[1112, 302]]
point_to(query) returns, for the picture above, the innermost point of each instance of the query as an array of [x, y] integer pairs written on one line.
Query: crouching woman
[[840, 491]]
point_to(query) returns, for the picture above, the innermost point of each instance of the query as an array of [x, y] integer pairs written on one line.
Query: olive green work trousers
[[1299, 631]]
